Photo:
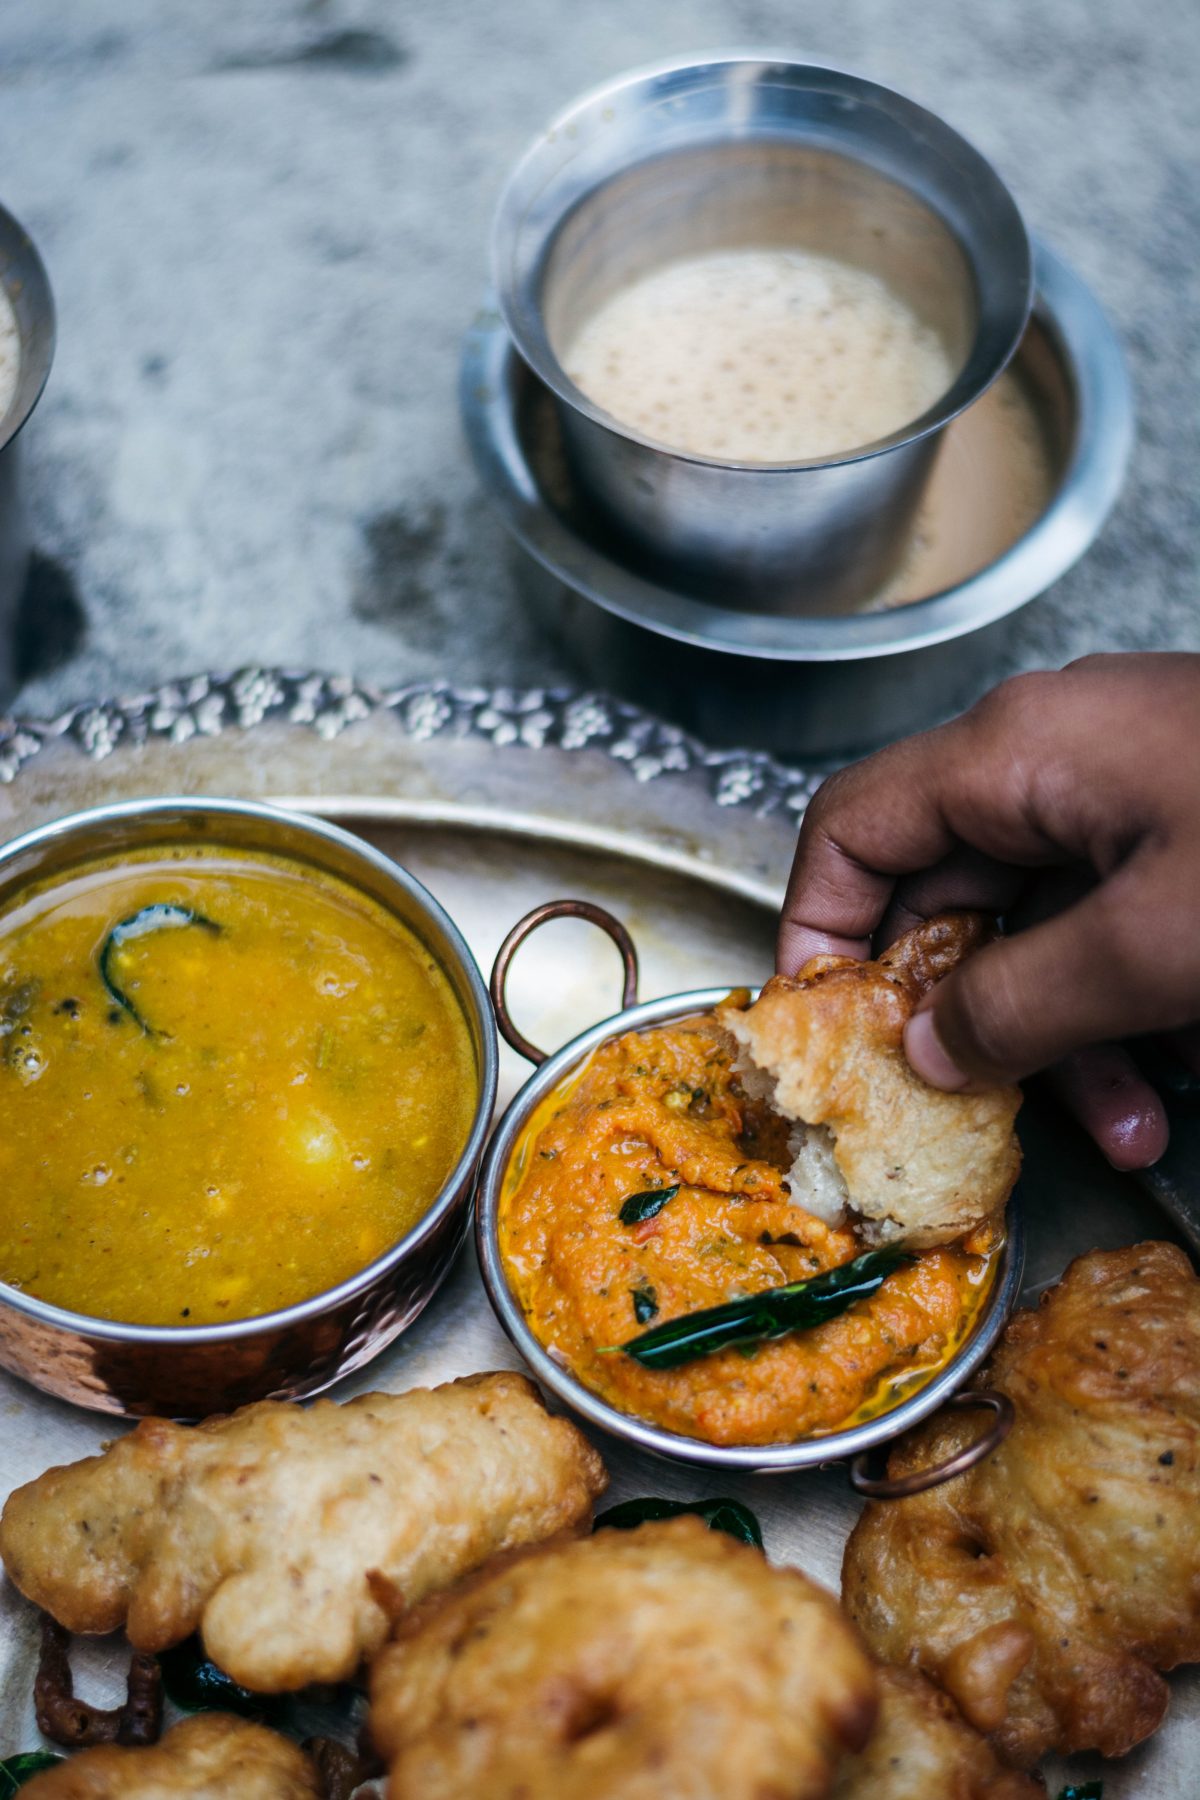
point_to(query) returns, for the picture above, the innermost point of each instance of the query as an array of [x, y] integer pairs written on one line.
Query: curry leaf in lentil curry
[[161, 916]]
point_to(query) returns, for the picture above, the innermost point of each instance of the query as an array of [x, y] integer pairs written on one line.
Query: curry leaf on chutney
[[719, 1515], [775, 1312], [645, 1303], [162, 916], [636, 1207]]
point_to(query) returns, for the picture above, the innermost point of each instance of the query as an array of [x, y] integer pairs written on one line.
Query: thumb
[[1089, 975]]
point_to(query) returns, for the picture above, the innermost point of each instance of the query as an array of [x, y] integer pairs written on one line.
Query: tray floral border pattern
[[529, 718]]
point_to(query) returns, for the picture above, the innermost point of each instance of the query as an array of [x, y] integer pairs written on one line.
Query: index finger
[[903, 810], [844, 871], [833, 902]]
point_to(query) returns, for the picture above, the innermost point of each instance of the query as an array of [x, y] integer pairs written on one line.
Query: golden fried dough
[[292, 1536], [923, 1749], [669, 1660], [915, 1164], [1046, 1587], [210, 1757]]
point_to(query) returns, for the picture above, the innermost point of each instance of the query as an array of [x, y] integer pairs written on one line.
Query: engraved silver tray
[[498, 799]]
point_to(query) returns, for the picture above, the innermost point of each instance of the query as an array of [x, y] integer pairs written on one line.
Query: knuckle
[[1096, 662], [817, 809], [843, 808], [827, 800], [1019, 705]]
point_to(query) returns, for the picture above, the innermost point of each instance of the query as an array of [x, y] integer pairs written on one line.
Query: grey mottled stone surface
[[266, 223]]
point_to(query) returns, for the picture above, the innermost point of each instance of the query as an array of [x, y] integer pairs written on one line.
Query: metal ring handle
[[555, 909], [898, 1487]]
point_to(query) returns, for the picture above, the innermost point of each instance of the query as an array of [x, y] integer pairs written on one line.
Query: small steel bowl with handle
[[859, 1445], [190, 1371]]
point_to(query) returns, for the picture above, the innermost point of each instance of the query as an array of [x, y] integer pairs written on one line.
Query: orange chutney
[[227, 1082], [660, 1108]]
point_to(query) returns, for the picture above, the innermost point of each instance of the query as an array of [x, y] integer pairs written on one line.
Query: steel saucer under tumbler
[[724, 154]]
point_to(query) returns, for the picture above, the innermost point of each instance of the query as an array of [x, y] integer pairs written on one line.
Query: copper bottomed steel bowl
[[191, 1371], [858, 1444]]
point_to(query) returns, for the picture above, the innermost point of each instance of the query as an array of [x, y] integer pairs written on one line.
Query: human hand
[[1069, 802]]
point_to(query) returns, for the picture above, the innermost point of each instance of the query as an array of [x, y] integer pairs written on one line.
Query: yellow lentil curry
[[662, 1108], [226, 1083]]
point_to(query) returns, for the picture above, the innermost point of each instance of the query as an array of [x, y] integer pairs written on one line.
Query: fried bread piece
[[210, 1757], [923, 1749], [826, 1047], [1046, 1587], [292, 1537], [628, 1666]]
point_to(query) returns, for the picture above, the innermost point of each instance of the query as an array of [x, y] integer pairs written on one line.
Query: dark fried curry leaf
[[752, 1318], [645, 1205], [719, 1515]]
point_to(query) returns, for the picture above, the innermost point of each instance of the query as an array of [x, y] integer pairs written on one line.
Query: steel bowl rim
[[1092, 477], [458, 1182], [754, 1458], [13, 234], [523, 315]]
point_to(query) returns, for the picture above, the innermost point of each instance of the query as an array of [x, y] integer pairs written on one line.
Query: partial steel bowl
[[855, 1444], [739, 151], [191, 1371], [25, 282]]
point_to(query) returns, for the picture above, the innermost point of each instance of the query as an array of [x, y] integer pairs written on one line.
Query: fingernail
[[796, 947], [929, 1056], [1136, 1140]]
